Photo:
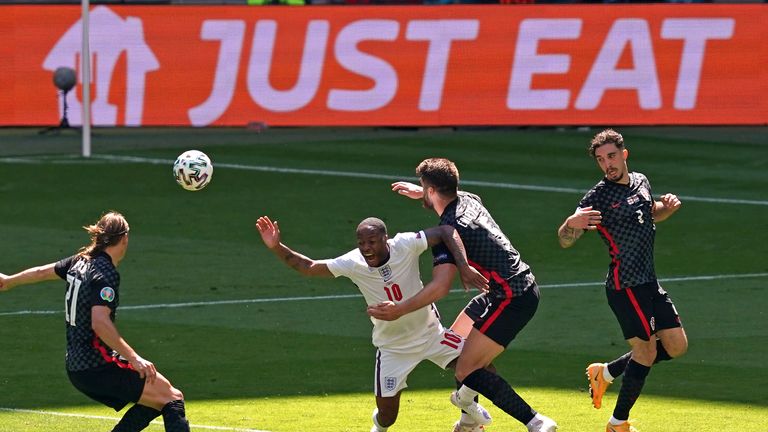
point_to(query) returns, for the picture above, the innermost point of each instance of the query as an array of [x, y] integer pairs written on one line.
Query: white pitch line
[[95, 417], [352, 174], [349, 296]]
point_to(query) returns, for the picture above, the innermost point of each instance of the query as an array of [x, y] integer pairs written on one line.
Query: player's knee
[[176, 394], [644, 354], [677, 349]]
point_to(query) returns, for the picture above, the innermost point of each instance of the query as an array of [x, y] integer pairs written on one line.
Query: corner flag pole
[[85, 68]]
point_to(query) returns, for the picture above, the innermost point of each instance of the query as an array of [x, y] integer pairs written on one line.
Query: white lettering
[[352, 59], [310, 70], [695, 32], [604, 75], [527, 62], [440, 34], [231, 34]]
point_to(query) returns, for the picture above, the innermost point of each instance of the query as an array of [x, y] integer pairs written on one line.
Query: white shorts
[[392, 369]]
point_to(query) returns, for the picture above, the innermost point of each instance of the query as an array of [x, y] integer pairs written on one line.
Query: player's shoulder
[[103, 268], [599, 188], [639, 177]]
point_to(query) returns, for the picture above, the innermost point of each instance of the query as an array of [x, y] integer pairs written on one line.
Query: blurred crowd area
[[366, 2]]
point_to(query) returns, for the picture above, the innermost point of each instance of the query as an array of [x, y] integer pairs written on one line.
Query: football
[[193, 170]]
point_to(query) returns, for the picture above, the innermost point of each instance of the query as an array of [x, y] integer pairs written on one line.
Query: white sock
[[466, 419], [534, 421], [607, 375], [615, 421], [376, 426], [466, 395]]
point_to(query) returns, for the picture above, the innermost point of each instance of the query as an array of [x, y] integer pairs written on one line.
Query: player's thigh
[[390, 375], [479, 351], [634, 310], [504, 318], [665, 311], [444, 348], [159, 393], [675, 341], [462, 325], [109, 384]]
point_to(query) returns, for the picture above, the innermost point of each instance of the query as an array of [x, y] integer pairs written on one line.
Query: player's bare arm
[[270, 235], [448, 235], [667, 205], [105, 329], [412, 191], [574, 225], [28, 276], [442, 276]]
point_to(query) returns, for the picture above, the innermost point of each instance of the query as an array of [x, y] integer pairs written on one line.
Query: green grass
[[307, 365]]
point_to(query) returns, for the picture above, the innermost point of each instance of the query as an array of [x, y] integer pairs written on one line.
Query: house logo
[[111, 37]]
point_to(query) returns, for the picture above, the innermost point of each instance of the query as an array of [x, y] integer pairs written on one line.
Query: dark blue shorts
[[110, 384], [501, 319], [643, 310]]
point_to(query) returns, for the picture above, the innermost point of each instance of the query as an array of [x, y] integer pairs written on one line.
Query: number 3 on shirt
[[70, 301], [393, 292]]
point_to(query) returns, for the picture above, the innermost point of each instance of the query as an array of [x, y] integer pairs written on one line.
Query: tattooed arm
[[575, 224]]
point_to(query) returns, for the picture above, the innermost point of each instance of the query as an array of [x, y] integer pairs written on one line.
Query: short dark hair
[[441, 174], [608, 136], [377, 224]]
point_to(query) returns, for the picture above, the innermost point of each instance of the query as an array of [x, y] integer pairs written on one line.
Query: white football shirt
[[397, 280]]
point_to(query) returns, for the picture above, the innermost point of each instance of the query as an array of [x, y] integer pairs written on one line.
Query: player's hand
[[145, 368], [585, 218], [270, 231], [385, 311], [412, 191], [671, 202], [470, 277]]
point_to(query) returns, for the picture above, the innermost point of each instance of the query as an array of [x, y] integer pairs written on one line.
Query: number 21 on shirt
[[70, 301]]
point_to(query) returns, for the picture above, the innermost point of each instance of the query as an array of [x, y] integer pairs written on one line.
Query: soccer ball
[[193, 170]]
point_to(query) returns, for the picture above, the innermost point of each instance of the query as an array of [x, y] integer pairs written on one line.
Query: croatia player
[[388, 270]]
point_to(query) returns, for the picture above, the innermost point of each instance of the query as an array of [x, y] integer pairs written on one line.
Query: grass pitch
[[259, 360]]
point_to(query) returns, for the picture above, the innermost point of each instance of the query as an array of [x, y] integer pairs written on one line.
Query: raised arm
[[28, 276], [412, 191], [574, 225], [663, 209], [105, 329], [442, 275], [448, 235], [270, 235]]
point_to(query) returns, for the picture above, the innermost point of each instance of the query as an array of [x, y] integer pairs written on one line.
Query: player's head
[[109, 232], [607, 148], [438, 176], [372, 241]]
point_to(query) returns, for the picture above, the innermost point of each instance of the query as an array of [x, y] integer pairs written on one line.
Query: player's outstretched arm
[[105, 329], [574, 225], [442, 275], [666, 207], [412, 191], [270, 235], [448, 235], [28, 276]]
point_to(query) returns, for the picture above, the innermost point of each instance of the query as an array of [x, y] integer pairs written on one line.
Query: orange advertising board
[[399, 65]]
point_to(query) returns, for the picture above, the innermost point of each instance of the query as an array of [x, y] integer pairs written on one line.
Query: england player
[[494, 318], [99, 362], [388, 269], [622, 209]]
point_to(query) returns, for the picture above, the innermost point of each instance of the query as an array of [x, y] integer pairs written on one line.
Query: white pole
[[85, 68]]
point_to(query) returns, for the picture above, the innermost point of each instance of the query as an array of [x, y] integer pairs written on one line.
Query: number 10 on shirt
[[393, 292]]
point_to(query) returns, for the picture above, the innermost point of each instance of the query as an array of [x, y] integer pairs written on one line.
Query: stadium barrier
[[398, 66]]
